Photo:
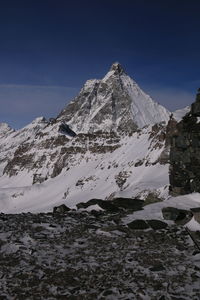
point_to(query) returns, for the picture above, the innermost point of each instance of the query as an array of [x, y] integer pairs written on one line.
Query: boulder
[[128, 203], [138, 225], [180, 216], [106, 205], [157, 268], [115, 204], [61, 209], [157, 224]]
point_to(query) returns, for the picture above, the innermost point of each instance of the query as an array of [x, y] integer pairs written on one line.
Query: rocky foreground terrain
[[94, 255]]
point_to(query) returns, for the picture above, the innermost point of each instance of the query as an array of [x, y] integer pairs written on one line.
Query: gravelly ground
[[81, 255]]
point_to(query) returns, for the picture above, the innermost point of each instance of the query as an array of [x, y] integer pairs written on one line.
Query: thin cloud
[[21, 103], [171, 98], [19, 86]]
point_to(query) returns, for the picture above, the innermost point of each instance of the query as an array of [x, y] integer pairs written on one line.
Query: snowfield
[[92, 176]]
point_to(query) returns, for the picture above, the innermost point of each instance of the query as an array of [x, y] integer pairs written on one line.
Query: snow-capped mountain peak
[[58, 160], [116, 69], [115, 103]]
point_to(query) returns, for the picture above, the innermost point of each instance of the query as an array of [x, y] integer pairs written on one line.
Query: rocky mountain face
[[111, 140], [185, 153], [115, 103]]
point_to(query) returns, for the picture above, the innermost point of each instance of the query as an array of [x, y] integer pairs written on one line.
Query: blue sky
[[49, 48]]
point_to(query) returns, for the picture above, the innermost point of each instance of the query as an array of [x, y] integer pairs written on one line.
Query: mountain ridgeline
[[112, 140]]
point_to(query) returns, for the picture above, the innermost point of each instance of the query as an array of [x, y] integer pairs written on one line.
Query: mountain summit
[[117, 68], [114, 103]]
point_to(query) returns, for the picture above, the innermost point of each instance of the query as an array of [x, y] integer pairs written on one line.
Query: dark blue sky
[[49, 48]]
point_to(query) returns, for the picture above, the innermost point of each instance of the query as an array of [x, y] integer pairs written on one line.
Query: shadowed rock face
[[195, 109], [185, 153]]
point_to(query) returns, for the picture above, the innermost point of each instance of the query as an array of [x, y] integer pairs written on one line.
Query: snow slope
[[132, 169], [180, 113]]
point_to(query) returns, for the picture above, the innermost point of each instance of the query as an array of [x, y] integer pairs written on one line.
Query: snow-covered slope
[[180, 113], [5, 130], [104, 168], [114, 103]]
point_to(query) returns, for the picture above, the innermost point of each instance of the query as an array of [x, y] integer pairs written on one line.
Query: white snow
[[98, 174], [4, 127], [145, 111], [154, 211], [93, 207], [193, 225], [180, 113]]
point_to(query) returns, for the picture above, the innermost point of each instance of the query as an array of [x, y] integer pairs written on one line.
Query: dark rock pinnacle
[[117, 68]]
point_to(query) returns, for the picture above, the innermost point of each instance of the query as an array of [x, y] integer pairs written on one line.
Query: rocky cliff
[[185, 153]]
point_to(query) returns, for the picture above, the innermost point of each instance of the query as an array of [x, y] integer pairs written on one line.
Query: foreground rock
[[78, 255], [61, 209], [185, 153], [138, 224], [106, 205], [180, 216], [114, 205], [145, 224], [157, 224]]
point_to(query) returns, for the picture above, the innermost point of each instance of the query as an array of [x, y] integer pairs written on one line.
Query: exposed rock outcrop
[[185, 153], [61, 209], [114, 205], [180, 216]]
